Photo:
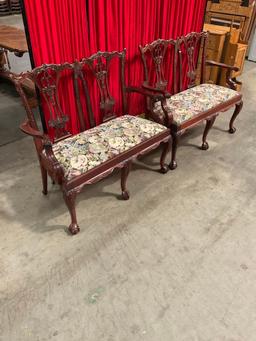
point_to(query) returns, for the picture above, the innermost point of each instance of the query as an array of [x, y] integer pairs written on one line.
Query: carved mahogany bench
[[87, 157], [196, 102]]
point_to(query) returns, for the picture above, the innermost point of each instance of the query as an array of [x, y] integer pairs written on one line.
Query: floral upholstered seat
[[82, 152], [194, 101]]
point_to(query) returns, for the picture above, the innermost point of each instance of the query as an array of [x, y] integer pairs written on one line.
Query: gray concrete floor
[[175, 262], [11, 113]]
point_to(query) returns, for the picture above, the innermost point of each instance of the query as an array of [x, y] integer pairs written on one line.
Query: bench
[[74, 161], [197, 101]]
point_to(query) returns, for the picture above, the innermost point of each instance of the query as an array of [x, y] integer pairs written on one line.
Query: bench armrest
[[46, 145], [145, 92], [225, 66], [156, 97], [166, 94], [230, 81], [27, 129]]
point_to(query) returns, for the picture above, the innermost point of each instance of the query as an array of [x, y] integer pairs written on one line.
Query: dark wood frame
[[47, 79], [190, 46]]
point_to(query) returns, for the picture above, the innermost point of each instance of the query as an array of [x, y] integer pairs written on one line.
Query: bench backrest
[[172, 64], [84, 83]]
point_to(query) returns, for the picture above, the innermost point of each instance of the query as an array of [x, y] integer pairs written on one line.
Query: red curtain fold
[[117, 24], [64, 30], [58, 33]]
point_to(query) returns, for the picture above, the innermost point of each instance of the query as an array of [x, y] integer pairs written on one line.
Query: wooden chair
[[87, 157], [197, 102]]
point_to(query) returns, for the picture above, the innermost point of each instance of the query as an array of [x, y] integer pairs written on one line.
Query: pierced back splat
[[157, 52], [189, 49], [99, 65], [47, 79]]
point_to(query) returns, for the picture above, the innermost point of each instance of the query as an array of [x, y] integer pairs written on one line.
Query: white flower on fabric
[[147, 128], [78, 162], [136, 140], [126, 124], [80, 140], [190, 98], [94, 163], [203, 100], [96, 148], [180, 111], [116, 142], [93, 139], [130, 132]]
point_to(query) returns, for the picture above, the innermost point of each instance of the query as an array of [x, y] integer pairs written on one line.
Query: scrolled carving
[[189, 46], [157, 51], [99, 65], [47, 79]]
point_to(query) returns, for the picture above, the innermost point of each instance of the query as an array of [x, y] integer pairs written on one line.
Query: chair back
[[80, 88], [172, 65], [93, 76], [160, 64], [191, 59]]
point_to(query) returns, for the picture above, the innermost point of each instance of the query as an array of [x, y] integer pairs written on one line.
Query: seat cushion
[[84, 151], [187, 104]]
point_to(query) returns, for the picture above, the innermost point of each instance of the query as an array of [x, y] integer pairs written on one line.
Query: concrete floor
[[11, 114], [176, 262]]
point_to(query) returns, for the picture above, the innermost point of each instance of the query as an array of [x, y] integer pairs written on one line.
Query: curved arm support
[[151, 88], [147, 93], [167, 113], [46, 145], [230, 81], [27, 129]]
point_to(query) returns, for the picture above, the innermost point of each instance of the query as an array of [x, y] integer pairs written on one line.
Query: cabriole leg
[[70, 198], [175, 142], [44, 179], [209, 124], [124, 175], [238, 108], [166, 148]]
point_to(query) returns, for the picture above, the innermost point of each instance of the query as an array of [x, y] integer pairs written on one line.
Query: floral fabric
[[189, 103], [84, 151]]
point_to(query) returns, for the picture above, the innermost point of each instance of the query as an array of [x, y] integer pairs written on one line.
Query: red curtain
[[117, 24], [58, 33], [62, 30]]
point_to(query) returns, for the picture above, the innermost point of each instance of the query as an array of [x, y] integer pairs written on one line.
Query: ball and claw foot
[[125, 195], [205, 146], [73, 228], [164, 169], [173, 165], [232, 130]]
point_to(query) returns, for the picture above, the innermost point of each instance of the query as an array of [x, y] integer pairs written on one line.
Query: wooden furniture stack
[[228, 23], [230, 13], [215, 48], [224, 46]]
